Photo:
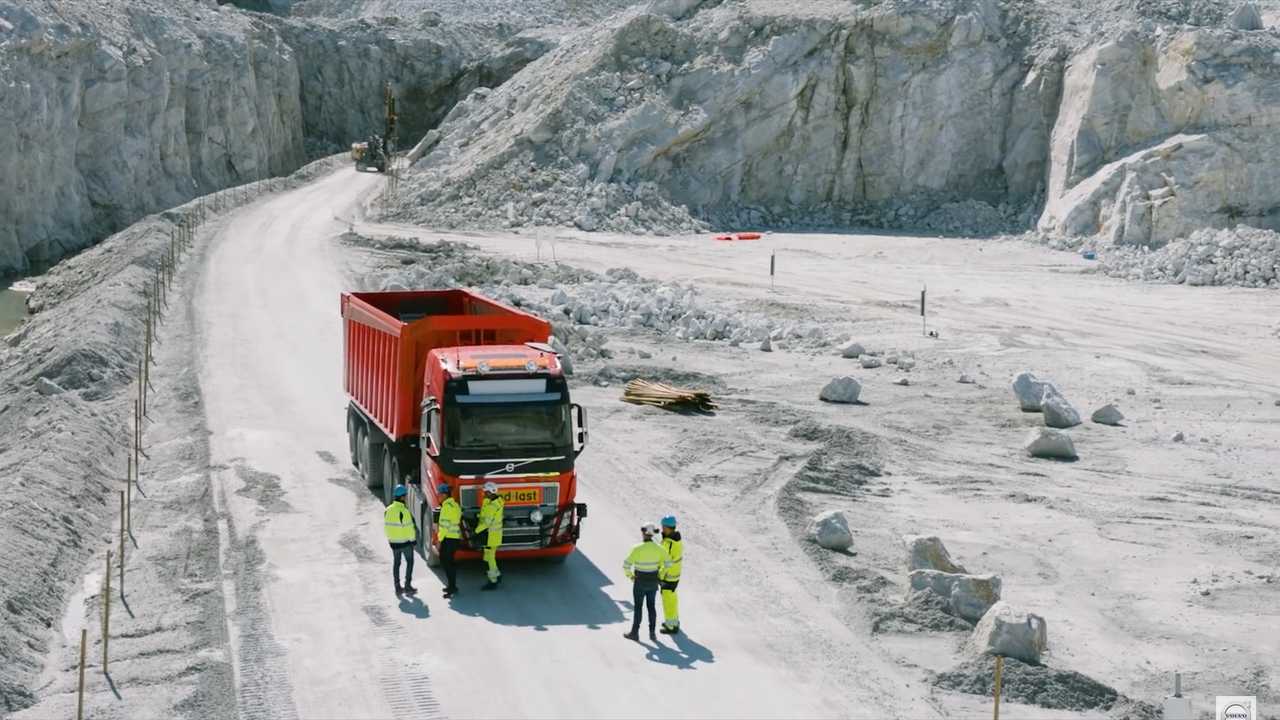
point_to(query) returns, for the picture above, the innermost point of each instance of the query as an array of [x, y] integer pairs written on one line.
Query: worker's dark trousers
[[398, 551], [646, 596], [448, 547]]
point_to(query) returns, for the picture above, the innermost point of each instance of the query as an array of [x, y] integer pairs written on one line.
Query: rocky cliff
[[106, 116], [965, 115]]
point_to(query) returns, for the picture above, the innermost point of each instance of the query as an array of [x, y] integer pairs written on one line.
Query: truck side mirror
[[579, 428], [431, 430]]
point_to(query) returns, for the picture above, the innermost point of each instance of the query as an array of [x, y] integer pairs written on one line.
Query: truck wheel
[[352, 446], [388, 477], [362, 457], [428, 531], [371, 461]]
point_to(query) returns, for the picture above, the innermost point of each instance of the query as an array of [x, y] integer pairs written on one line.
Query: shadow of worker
[[411, 605], [686, 655]]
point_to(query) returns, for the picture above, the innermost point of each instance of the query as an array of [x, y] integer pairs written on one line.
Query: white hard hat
[[649, 529], [491, 487]]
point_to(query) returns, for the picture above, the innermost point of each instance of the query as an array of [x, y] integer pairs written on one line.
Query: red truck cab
[[450, 387]]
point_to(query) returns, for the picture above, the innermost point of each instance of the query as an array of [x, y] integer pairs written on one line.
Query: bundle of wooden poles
[[644, 392]]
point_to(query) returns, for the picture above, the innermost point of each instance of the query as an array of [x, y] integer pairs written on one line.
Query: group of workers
[[653, 565]]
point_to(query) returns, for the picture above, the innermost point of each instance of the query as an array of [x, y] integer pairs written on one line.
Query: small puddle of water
[[13, 306]]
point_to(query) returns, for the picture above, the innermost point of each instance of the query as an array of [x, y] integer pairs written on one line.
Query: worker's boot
[[450, 592], [633, 635], [653, 635], [399, 590], [409, 589], [491, 585], [670, 629]]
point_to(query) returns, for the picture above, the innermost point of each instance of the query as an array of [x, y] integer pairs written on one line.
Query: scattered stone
[[831, 530], [841, 390], [906, 362], [1178, 437], [902, 381], [1130, 391], [891, 359], [1205, 592], [1246, 17], [1058, 413], [968, 596], [1277, 403], [766, 345], [1107, 415], [1030, 391], [559, 297], [45, 386], [1011, 633], [870, 361], [645, 355], [853, 351], [926, 552], [966, 379], [1050, 444]]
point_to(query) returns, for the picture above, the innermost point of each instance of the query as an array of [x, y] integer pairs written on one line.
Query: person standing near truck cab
[[489, 531], [398, 523], [449, 534], [670, 577]]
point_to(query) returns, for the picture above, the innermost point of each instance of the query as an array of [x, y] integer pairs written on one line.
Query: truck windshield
[[498, 426]]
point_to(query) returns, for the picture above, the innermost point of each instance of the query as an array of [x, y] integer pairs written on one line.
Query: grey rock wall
[[100, 126]]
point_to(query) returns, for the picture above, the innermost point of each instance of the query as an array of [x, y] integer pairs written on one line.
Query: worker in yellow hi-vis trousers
[[669, 577], [489, 531]]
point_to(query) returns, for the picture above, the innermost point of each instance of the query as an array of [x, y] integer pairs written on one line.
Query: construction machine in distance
[[370, 154], [451, 387]]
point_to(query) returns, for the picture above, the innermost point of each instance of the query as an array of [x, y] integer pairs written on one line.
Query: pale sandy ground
[[1106, 548]]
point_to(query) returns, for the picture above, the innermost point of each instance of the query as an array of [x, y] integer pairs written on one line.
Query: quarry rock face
[[1158, 137], [105, 123]]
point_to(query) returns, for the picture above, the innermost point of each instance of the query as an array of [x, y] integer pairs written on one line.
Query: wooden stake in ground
[[999, 671], [122, 531], [84, 642], [106, 614], [128, 498]]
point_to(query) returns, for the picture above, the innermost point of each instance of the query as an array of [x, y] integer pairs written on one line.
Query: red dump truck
[[447, 386]]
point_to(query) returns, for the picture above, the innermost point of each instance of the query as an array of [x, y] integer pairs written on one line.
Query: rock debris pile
[[1244, 256], [581, 303]]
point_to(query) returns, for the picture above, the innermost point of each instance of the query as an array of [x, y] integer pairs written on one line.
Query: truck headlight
[[535, 517]]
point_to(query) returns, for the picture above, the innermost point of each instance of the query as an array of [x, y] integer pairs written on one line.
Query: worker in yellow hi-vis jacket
[[670, 578], [643, 566], [489, 531]]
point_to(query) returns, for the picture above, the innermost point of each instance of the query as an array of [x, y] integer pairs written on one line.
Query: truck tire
[[388, 476], [353, 447], [429, 553], [371, 461]]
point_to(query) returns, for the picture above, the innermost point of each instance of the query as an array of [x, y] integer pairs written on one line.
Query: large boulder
[[853, 350], [1002, 630], [1246, 17], [968, 596], [1058, 413], [1108, 415], [841, 390], [870, 361], [926, 552], [831, 530], [1030, 391], [1050, 444]]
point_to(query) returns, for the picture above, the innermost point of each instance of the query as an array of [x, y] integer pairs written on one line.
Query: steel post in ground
[[106, 614], [84, 642]]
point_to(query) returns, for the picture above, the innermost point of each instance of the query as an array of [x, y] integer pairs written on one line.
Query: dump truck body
[[447, 386]]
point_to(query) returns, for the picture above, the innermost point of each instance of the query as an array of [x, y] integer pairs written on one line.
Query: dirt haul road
[[315, 629]]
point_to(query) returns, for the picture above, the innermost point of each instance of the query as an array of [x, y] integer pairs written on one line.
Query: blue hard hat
[[444, 489], [400, 491], [669, 521]]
